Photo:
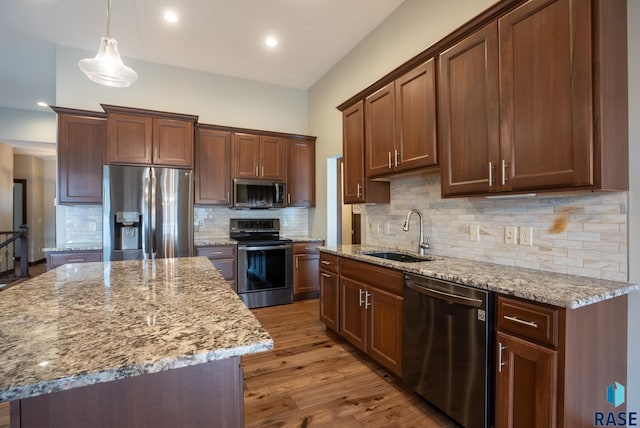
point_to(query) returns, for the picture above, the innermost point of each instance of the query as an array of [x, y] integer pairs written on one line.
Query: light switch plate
[[510, 234], [474, 232]]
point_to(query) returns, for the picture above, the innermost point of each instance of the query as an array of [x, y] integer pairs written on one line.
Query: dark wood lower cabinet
[[306, 269], [209, 394], [370, 308], [329, 299], [553, 365], [526, 384]]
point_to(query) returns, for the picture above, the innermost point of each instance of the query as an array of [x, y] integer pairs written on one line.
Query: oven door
[[265, 273]]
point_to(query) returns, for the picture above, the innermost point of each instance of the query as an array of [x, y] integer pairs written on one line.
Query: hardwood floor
[[313, 379]]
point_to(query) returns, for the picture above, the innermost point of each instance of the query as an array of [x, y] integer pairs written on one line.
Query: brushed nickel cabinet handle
[[366, 300], [490, 174], [504, 172], [358, 190], [257, 171], [324, 262], [519, 321], [389, 160], [326, 275], [76, 260], [501, 363], [396, 155]]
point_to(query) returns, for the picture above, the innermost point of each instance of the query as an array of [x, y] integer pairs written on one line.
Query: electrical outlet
[[474, 232], [510, 233], [526, 235]]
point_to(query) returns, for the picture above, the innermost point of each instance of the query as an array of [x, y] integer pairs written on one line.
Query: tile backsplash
[[82, 224], [580, 234], [213, 222]]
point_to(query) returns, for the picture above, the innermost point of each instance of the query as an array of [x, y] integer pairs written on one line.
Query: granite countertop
[[567, 291], [82, 324], [81, 246], [229, 241]]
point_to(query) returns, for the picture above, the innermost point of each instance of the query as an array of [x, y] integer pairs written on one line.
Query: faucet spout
[[422, 245]]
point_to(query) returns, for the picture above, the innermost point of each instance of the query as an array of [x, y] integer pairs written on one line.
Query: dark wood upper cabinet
[[380, 132], [356, 189], [260, 157], [526, 103], [82, 138], [416, 136], [301, 175], [212, 166], [400, 123], [145, 137], [469, 114]]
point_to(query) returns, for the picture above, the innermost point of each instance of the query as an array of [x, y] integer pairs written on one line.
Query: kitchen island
[[130, 343]]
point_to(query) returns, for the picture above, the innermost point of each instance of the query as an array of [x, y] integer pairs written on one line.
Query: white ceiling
[[218, 36]]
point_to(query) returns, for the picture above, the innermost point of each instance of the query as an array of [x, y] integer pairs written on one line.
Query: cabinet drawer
[[226, 267], [537, 322], [307, 247], [329, 262], [61, 258], [217, 252], [370, 274]]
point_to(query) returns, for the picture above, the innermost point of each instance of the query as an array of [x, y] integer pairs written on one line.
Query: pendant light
[[106, 68]]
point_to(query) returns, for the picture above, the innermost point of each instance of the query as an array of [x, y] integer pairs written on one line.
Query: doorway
[[19, 210]]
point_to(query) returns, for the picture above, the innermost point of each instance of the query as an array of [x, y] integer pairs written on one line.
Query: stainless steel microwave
[[258, 193]]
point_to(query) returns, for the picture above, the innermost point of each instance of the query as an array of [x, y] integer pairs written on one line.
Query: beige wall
[[214, 98], [414, 26], [31, 169], [6, 194]]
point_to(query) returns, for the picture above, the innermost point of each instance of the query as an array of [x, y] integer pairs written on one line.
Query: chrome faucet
[[422, 246]]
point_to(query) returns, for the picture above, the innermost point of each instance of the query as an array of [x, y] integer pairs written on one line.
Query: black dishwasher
[[447, 337]]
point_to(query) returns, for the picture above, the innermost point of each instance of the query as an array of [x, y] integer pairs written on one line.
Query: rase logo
[[615, 397]]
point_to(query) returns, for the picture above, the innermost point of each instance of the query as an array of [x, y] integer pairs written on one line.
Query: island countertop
[[562, 290], [83, 324]]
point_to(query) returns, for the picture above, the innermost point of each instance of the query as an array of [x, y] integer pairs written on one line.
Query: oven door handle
[[266, 247]]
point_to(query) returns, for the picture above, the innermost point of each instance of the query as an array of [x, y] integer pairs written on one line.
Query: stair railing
[[6, 252]]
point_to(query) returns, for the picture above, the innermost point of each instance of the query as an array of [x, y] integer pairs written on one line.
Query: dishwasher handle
[[441, 295]]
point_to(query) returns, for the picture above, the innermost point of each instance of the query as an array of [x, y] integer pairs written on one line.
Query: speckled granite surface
[[74, 247], [215, 241], [566, 291], [82, 324]]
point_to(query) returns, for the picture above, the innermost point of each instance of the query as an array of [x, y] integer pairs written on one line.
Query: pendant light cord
[[108, 18]]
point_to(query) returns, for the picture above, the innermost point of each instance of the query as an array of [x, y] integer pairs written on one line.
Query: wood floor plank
[[330, 382]]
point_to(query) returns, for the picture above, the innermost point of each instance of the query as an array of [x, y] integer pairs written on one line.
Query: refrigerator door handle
[[153, 214], [146, 215]]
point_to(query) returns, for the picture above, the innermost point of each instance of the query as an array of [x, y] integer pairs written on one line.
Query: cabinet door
[[384, 341], [353, 153], [213, 167], [305, 275], [301, 167], [380, 132], [526, 384], [272, 158], [81, 152], [354, 188], [469, 115], [129, 138], [352, 312], [245, 151], [329, 300], [546, 94], [416, 118], [172, 142]]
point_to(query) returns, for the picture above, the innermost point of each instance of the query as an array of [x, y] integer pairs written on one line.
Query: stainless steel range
[[265, 262]]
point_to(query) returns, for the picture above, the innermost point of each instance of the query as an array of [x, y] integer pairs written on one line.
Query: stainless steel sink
[[398, 257]]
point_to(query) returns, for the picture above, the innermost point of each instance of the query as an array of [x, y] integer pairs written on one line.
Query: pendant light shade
[[106, 68]]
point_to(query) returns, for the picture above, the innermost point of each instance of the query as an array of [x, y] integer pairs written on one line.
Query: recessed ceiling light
[[42, 104], [170, 16], [271, 41]]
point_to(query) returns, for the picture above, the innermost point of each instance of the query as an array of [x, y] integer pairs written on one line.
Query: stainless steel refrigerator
[[147, 213]]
